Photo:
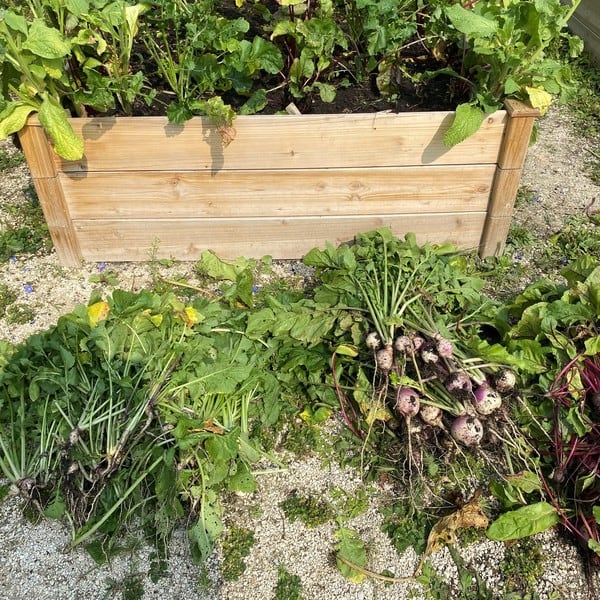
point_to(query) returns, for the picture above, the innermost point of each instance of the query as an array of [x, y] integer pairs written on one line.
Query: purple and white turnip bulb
[[408, 402], [467, 430], [458, 381], [443, 346], [403, 344], [486, 399]]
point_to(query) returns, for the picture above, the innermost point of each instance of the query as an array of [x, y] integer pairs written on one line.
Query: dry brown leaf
[[444, 531]]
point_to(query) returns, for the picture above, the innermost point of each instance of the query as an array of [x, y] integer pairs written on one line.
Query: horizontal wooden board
[[281, 142], [133, 240], [277, 193]]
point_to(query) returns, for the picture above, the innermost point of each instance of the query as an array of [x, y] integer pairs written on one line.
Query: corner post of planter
[[511, 157], [41, 161]]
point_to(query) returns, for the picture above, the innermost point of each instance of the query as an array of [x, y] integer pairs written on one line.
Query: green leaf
[[326, 92], [45, 41], [523, 522], [596, 513], [55, 122], [13, 118], [470, 23], [351, 548], [467, 120], [594, 546]]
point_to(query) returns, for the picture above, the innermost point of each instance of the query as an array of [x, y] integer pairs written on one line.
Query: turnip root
[[458, 381], [467, 430], [373, 341], [486, 399], [384, 358], [407, 402], [505, 381], [403, 344], [432, 415], [443, 346], [407, 405]]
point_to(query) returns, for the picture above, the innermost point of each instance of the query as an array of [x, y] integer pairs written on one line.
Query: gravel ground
[[33, 559]]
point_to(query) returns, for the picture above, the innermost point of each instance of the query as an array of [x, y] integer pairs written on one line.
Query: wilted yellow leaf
[[97, 312], [539, 99], [444, 531]]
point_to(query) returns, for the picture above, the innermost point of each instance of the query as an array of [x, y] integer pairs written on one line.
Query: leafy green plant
[[88, 38], [236, 546], [499, 50], [288, 587], [184, 58]]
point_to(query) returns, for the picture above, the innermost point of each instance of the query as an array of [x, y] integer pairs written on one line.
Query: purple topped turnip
[[486, 399], [443, 346], [460, 382], [407, 402]]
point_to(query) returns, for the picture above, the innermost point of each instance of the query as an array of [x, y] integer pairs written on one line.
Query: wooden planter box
[[285, 184]]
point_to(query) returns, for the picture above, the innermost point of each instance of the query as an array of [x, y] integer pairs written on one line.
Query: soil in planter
[[406, 94]]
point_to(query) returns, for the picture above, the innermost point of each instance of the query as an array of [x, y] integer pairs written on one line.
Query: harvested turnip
[[458, 381], [407, 402], [373, 341], [505, 381], [486, 399], [428, 356], [403, 344], [467, 430], [417, 342], [384, 358], [407, 406], [443, 346], [432, 415]]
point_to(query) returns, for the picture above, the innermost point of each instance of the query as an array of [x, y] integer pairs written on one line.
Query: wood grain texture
[[50, 194], [284, 185], [281, 142], [281, 193], [125, 240]]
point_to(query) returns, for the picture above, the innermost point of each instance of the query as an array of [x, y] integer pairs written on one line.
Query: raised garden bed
[[284, 185]]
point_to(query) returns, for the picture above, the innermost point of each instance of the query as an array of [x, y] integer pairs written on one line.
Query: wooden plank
[[126, 240], [50, 195], [281, 142], [494, 236], [521, 118], [277, 193]]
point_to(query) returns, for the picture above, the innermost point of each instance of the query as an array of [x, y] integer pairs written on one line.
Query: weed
[[310, 510], [289, 586], [27, 233], [235, 547], [19, 314], [130, 587], [579, 236], [7, 297], [406, 527], [522, 566], [108, 278], [9, 159]]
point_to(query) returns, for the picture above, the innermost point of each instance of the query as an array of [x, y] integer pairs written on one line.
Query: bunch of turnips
[[430, 377]]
